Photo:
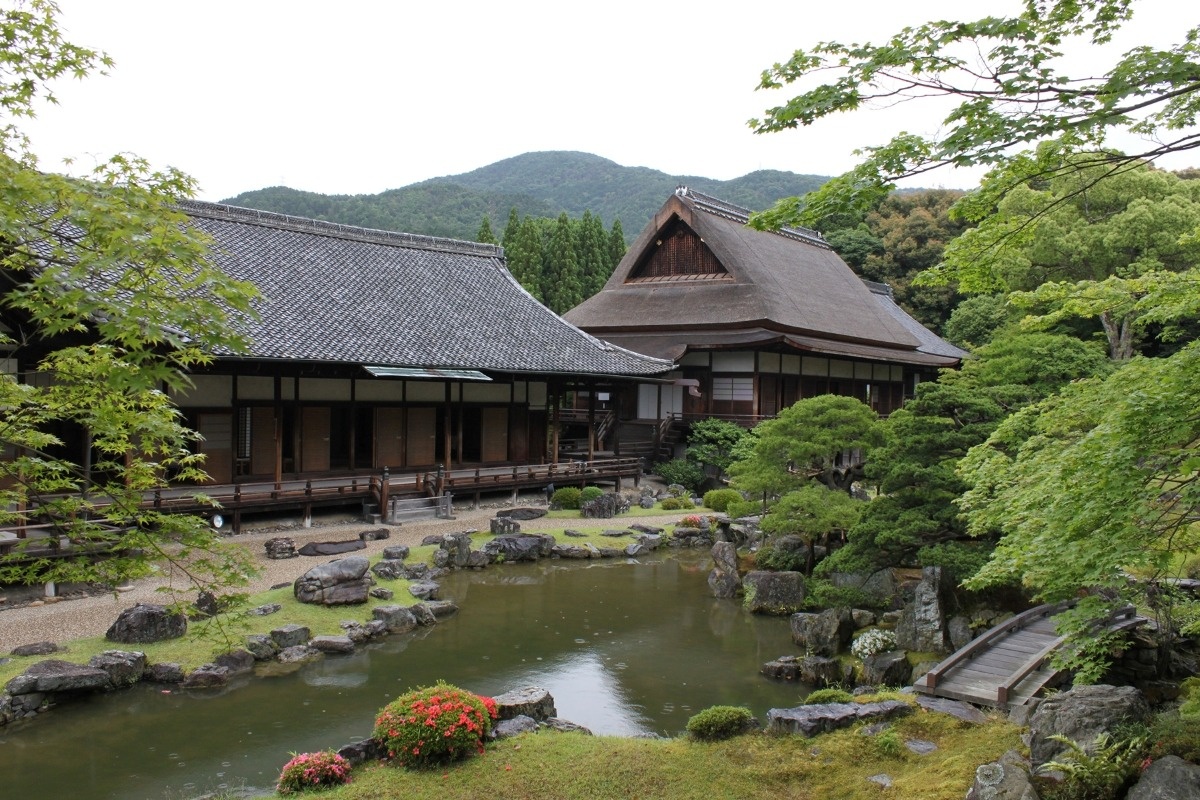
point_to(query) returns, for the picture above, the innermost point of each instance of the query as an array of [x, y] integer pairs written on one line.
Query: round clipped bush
[[590, 493], [719, 499], [822, 696], [434, 725], [566, 497], [313, 771], [677, 504], [720, 722]]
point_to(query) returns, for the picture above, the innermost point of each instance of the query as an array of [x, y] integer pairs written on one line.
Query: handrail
[[977, 644], [1035, 661]]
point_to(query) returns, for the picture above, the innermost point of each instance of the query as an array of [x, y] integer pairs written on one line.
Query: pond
[[625, 647]]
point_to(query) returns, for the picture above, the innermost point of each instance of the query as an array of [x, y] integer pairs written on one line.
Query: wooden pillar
[[555, 401], [591, 422], [278, 432], [447, 432]]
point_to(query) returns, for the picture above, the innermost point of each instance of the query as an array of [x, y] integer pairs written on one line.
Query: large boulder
[[886, 669], [53, 675], [825, 634], [822, 718], [519, 547], [773, 592], [146, 622], [922, 626], [723, 581], [124, 667], [398, 619], [1168, 778], [389, 569], [337, 583], [532, 701], [457, 547], [1006, 779], [1081, 714]]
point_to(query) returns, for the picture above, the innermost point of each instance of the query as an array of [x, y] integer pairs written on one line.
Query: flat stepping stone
[[955, 708]]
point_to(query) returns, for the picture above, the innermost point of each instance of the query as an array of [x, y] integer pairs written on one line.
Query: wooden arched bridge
[[1009, 664]]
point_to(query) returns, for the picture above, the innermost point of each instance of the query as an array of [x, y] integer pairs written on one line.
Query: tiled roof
[[335, 293]]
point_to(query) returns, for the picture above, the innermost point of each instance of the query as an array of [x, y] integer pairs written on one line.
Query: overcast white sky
[[357, 96]]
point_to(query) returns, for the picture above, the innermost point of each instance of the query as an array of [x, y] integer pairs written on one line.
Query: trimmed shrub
[[782, 559], [678, 504], [590, 493], [821, 696], [720, 722], [566, 498], [743, 508], [434, 725], [685, 473], [719, 499], [313, 771]]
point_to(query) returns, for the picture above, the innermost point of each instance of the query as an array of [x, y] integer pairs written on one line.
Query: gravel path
[[91, 616]]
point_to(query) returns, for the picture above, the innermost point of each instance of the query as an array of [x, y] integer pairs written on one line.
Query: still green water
[[625, 648]]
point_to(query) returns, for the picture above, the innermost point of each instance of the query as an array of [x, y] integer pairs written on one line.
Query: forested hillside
[[536, 184]]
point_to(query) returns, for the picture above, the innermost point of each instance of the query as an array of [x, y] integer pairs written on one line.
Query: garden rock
[[265, 610], [389, 569], [522, 514], [922, 625], [504, 525], [53, 675], [298, 654], [958, 629], [880, 587], [416, 572], [290, 636], [822, 718], [439, 608], [862, 618], [723, 580], [424, 590], [532, 701], [332, 644], [643, 528], [921, 747], [825, 634], [1006, 779], [145, 623], [35, 649], [236, 661], [574, 534], [124, 667], [955, 708], [457, 547], [280, 548], [507, 728], [636, 549], [565, 726], [336, 583], [606, 506], [332, 548], [652, 541], [647, 501], [397, 618], [1081, 714], [1168, 778], [208, 676], [520, 547], [773, 592], [360, 753], [261, 646], [575, 551], [374, 535], [886, 669], [166, 672], [396, 552]]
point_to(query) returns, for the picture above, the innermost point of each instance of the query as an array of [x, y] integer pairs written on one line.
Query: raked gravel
[[91, 616]]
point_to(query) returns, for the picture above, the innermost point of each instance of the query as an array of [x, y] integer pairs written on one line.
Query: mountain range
[[541, 184]]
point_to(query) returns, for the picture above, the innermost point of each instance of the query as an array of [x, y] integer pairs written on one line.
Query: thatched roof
[[752, 288], [341, 294]]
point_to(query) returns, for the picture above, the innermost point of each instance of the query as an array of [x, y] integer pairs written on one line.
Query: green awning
[[427, 374]]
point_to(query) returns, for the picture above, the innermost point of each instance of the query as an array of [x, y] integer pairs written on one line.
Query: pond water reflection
[[626, 648]]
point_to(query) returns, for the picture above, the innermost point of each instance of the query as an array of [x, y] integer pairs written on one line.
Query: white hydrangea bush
[[873, 642]]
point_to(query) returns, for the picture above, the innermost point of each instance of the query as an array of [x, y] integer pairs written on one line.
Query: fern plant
[[1101, 774]]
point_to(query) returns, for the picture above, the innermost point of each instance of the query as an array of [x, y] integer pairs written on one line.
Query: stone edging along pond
[[47, 683]]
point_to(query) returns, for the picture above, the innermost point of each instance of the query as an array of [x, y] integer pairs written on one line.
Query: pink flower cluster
[[311, 770], [433, 725]]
